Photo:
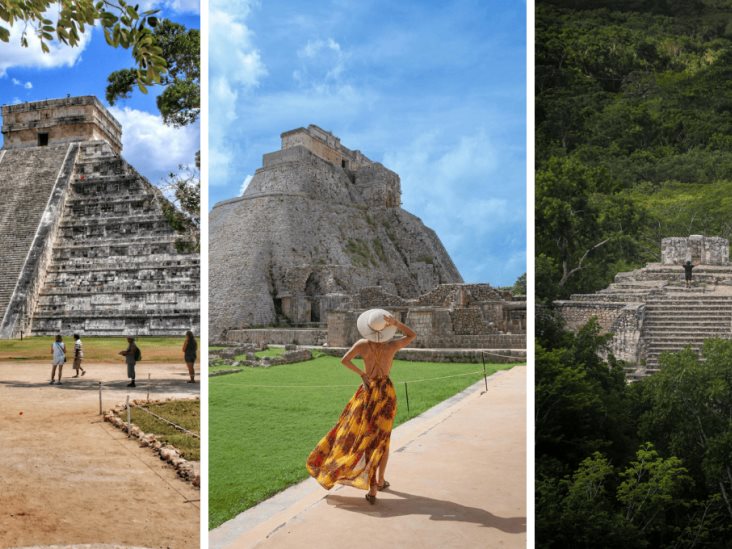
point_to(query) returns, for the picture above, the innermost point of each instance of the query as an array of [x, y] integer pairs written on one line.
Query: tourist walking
[[58, 357], [688, 266], [132, 355], [78, 355], [189, 354], [356, 450]]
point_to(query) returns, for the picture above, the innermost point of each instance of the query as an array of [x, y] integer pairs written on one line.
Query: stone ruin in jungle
[[87, 245], [650, 311], [319, 235]]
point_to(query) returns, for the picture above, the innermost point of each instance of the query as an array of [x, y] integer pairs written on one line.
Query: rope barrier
[[498, 354], [175, 425], [340, 386]]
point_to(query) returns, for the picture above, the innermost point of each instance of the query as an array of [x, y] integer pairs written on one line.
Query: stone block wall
[[576, 314], [276, 336], [706, 250], [626, 330], [62, 121]]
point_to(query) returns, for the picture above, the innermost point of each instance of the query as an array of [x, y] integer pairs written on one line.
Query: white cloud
[[153, 148], [236, 68], [245, 184], [323, 63], [27, 85], [12, 54]]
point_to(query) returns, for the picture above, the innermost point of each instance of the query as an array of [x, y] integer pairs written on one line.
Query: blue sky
[[436, 91], [27, 74]]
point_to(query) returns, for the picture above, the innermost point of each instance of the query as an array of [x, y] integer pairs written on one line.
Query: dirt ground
[[458, 480], [68, 478]]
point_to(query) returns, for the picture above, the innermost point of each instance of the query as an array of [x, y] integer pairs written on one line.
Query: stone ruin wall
[[444, 318], [64, 121], [706, 250]]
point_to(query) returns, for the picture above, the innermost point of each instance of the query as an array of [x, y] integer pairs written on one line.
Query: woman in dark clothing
[[189, 354]]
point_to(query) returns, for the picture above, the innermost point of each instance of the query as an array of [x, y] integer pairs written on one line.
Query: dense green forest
[[633, 144], [633, 134]]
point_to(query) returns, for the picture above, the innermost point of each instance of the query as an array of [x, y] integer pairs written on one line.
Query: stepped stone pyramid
[[86, 243], [651, 311], [317, 223]]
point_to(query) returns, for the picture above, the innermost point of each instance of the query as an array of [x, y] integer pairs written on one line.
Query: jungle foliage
[[633, 134], [633, 144]]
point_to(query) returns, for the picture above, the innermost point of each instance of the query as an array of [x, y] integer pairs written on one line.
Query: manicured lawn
[[96, 349], [186, 413], [263, 422]]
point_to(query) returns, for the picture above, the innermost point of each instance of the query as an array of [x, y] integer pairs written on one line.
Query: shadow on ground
[[155, 386], [436, 509]]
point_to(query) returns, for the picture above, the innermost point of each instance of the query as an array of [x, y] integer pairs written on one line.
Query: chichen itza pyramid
[[650, 311], [86, 245]]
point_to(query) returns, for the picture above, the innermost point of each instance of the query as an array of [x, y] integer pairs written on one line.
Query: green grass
[[186, 413], [96, 349], [261, 432], [271, 352]]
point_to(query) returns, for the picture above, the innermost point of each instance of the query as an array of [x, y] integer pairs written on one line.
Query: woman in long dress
[[356, 450], [190, 348]]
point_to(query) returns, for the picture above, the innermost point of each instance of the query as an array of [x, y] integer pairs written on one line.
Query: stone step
[[27, 178]]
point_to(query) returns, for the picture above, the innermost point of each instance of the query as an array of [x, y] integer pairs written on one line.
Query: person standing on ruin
[[58, 357], [78, 355], [132, 355], [189, 354], [356, 450], [688, 266]]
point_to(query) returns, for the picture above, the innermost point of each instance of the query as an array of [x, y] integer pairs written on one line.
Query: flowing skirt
[[351, 451]]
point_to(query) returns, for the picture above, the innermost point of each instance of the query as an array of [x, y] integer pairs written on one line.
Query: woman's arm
[[409, 334], [352, 353]]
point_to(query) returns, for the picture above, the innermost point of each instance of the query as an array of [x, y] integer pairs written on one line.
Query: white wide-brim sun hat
[[372, 326]]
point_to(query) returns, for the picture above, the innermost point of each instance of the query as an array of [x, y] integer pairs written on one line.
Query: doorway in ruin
[[313, 292], [42, 139]]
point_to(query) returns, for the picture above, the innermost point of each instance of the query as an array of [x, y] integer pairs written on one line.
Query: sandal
[[371, 499], [383, 486]]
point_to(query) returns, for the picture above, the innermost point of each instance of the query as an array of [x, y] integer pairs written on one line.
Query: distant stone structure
[[650, 311], [86, 242], [319, 236]]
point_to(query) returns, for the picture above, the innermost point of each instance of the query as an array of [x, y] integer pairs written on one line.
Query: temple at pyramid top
[[58, 121]]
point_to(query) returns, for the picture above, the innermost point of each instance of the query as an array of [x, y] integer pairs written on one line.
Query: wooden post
[[485, 376], [406, 390], [129, 418], [100, 398]]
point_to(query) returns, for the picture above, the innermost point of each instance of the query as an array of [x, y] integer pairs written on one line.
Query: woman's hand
[[365, 380], [390, 320]]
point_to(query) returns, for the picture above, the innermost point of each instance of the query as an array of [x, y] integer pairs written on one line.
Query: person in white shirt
[[78, 355], [58, 353]]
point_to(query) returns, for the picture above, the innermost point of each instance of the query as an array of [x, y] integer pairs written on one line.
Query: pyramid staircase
[[27, 179], [681, 317], [116, 265]]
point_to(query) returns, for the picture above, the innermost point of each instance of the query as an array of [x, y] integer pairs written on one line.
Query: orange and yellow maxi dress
[[352, 450]]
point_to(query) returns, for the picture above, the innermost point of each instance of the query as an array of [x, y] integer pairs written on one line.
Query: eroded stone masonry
[[318, 236], [86, 244], [650, 310]]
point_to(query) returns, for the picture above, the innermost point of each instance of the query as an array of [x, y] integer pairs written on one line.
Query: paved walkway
[[458, 480], [69, 479]]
